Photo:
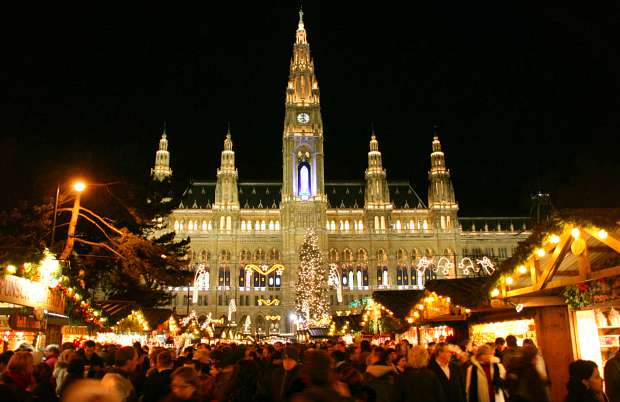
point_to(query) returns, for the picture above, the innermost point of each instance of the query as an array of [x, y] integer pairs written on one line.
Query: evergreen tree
[[312, 292]]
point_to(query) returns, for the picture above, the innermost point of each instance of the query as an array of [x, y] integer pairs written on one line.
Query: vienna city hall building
[[376, 233]]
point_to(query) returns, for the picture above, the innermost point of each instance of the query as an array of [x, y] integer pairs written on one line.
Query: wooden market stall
[[566, 278]]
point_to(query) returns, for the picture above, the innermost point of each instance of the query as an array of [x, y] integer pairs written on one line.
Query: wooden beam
[[539, 301], [609, 241], [520, 292], [584, 262], [554, 262], [558, 283], [605, 273]]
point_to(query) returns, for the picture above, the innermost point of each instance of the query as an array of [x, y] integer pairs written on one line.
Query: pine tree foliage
[[312, 291]]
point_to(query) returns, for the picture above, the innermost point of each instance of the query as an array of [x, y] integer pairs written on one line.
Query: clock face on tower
[[303, 118]]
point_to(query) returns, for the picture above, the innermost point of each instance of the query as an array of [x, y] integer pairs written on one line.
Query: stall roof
[[466, 292], [400, 302], [156, 316], [119, 309]]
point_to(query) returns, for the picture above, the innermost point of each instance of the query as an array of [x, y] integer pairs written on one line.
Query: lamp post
[[78, 187]]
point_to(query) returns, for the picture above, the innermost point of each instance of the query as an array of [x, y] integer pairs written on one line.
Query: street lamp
[[78, 186]]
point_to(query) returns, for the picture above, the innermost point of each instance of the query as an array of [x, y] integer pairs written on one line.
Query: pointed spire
[[162, 170], [228, 141], [374, 144], [300, 37], [436, 143]]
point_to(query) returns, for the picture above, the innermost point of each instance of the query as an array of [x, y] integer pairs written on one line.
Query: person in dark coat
[[380, 375], [417, 382], [283, 381], [449, 375], [612, 378], [157, 384], [318, 375], [523, 382]]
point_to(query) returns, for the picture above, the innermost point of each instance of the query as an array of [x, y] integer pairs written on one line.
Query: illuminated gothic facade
[[376, 233]]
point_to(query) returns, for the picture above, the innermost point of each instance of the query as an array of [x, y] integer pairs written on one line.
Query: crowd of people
[[321, 372]]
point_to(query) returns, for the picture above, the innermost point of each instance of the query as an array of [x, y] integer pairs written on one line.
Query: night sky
[[526, 95]]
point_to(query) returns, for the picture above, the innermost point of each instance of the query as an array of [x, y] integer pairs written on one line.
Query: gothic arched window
[[304, 183]]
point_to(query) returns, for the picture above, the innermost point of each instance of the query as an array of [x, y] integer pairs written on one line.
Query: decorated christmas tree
[[312, 292]]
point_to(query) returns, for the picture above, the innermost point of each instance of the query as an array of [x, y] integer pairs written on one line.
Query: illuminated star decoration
[[467, 266], [487, 265], [445, 265], [424, 264]]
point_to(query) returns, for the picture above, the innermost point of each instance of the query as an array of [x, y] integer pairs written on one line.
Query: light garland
[[264, 302], [265, 269]]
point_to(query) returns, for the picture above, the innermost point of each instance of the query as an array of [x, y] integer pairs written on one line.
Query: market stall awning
[[116, 310], [156, 316], [400, 302], [574, 247], [466, 292]]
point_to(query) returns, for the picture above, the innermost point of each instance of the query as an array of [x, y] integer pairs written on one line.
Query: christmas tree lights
[[311, 298]]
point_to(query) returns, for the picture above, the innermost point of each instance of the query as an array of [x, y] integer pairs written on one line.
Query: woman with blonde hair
[[484, 378], [417, 382]]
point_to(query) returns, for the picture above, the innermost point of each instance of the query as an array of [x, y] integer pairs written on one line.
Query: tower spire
[[161, 170], [376, 177], [226, 187], [441, 199]]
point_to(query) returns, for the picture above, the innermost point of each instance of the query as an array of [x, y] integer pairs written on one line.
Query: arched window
[[377, 227], [425, 225], [383, 223], [259, 255], [243, 226], [347, 255], [277, 225], [176, 226], [332, 226], [346, 226], [204, 226], [182, 225], [209, 226], [304, 184], [402, 276], [222, 222], [397, 226], [443, 222], [360, 226], [224, 271], [228, 223], [271, 226], [263, 226], [362, 256], [333, 255], [274, 255]]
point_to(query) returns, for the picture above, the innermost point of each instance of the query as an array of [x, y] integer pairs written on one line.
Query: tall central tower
[[304, 202], [302, 140]]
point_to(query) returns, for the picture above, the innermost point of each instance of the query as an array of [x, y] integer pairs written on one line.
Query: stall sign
[[22, 291], [20, 322], [74, 330]]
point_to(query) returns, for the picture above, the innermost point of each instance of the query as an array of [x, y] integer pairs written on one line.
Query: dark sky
[[524, 93]]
